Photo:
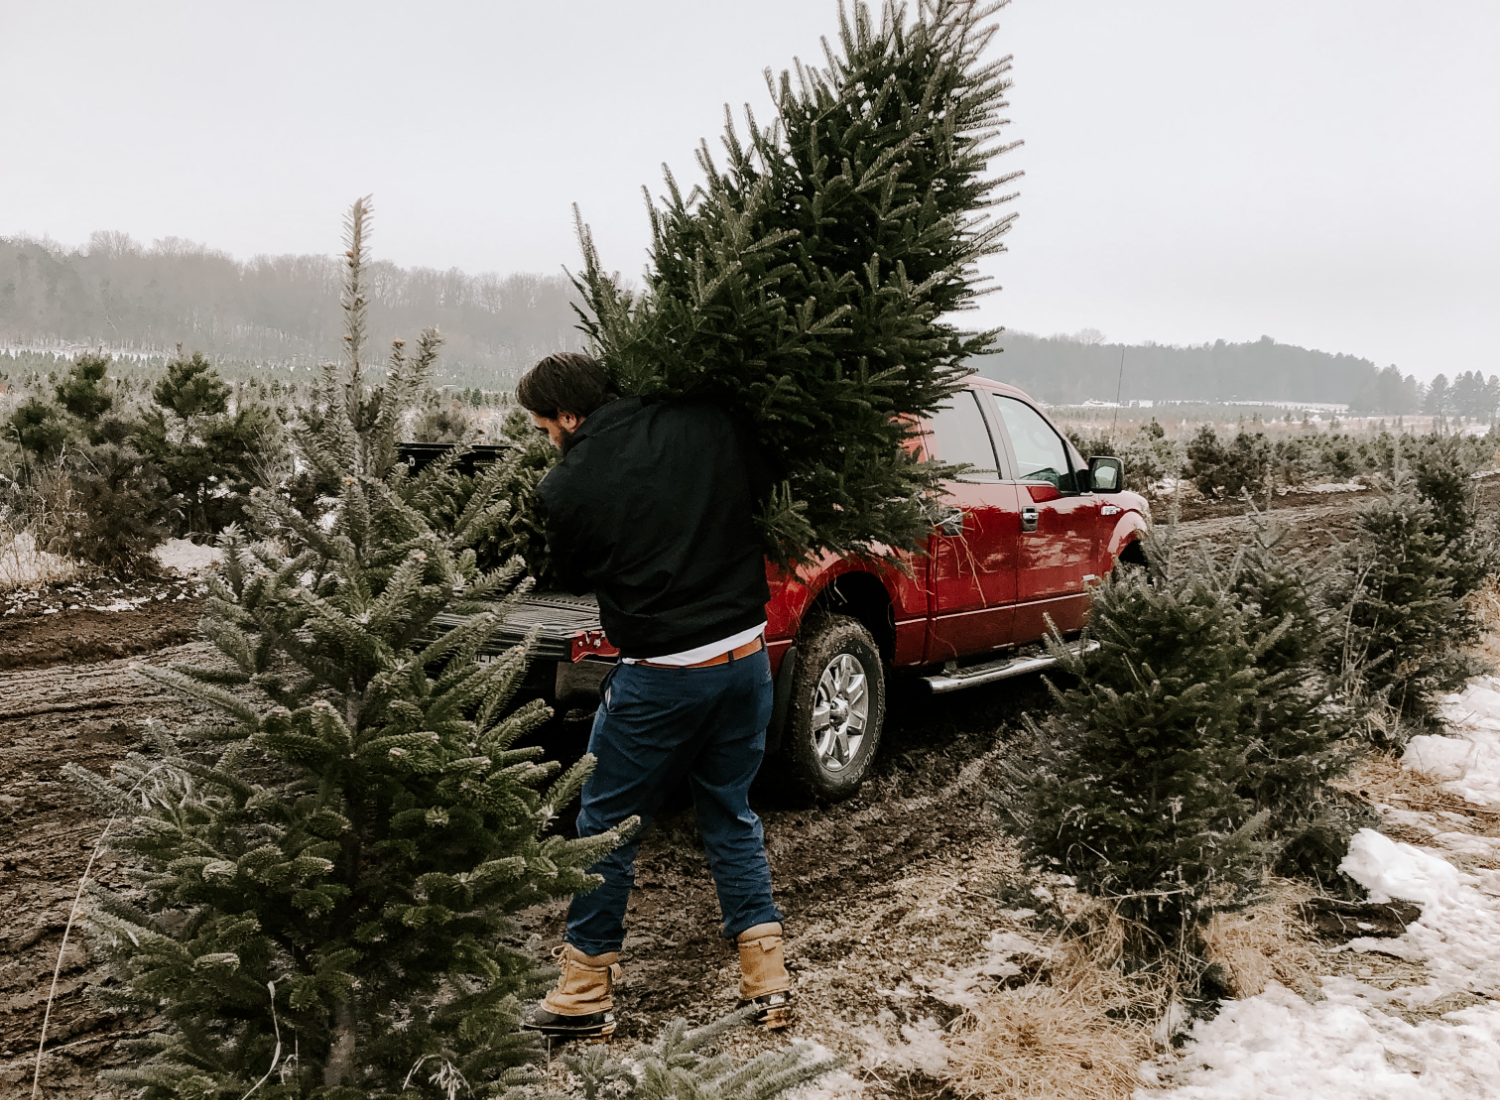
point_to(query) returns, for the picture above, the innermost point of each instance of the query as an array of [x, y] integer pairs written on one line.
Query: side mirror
[[1106, 475]]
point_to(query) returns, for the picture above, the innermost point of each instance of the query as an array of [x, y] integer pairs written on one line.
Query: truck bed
[[557, 618]]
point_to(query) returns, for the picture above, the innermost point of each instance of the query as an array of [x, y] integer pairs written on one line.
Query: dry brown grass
[[1383, 779], [1486, 607], [1263, 943], [1076, 1032]]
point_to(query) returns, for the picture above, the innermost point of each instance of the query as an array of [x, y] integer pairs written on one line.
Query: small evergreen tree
[[1219, 470], [1141, 795], [328, 862], [1404, 630], [115, 510], [191, 387], [83, 392], [1299, 728], [206, 452], [1440, 469], [38, 430], [810, 284], [675, 1067]]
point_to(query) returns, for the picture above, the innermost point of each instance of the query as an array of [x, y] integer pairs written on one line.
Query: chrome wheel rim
[[841, 712]]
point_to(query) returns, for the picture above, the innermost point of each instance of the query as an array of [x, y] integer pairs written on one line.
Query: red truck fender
[[1130, 528], [864, 583]]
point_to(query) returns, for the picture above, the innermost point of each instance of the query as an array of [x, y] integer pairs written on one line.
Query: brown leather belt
[[738, 653]]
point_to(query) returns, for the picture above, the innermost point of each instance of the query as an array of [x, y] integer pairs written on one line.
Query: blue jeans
[[654, 726]]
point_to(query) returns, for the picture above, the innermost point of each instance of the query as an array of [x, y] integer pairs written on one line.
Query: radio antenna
[[1119, 388]]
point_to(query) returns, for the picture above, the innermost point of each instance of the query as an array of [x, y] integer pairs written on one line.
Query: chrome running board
[[989, 673]]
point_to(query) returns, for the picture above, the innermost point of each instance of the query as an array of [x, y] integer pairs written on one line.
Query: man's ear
[[568, 421]]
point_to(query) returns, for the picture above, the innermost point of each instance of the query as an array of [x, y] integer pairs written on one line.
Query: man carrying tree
[[652, 509]]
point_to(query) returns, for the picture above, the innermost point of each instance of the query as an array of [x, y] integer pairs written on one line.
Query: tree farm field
[[894, 899]]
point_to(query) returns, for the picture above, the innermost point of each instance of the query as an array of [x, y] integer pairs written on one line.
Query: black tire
[[828, 651]]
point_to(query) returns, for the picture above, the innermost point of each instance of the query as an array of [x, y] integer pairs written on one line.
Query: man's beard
[[567, 439]]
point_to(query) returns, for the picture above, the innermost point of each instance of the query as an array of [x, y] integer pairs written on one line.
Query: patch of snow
[[1468, 763], [1277, 1045], [968, 987], [1328, 487], [838, 1085], [919, 1045], [187, 558], [1460, 924], [1349, 1044], [1389, 870], [121, 604], [24, 565]]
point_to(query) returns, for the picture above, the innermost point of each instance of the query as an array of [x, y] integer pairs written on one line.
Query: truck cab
[[1018, 540]]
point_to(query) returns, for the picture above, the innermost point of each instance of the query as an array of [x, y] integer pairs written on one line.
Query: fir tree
[[1141, 796], [116, 511], [327, 862], [810, 284], [191, 387], [83, 393], [1439, 473], [1298, 725], [1403, 627], [37, 429], [520, 532]]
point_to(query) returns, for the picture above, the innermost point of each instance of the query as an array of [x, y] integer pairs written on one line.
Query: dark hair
[[565, 382]]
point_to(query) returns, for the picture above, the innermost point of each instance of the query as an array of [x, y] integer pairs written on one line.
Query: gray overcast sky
[[1325, 171]]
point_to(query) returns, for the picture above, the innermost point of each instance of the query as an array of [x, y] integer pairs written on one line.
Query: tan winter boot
[[764, 981], [581, 1005]]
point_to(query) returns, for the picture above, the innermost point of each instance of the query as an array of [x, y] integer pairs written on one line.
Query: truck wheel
[[837, 709]]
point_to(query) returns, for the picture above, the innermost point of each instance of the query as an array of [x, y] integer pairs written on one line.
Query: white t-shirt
[[703, 652]]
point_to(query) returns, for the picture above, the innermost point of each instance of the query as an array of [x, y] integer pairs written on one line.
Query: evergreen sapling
[[327, 862], [1299, 726], [1403, 628], [1141, 796]]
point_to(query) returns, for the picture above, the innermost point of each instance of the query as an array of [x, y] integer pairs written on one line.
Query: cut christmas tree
[[810, 284]]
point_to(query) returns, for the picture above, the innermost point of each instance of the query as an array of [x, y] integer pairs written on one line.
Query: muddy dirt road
[[887, 895]]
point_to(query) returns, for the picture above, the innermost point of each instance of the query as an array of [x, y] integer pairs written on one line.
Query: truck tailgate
[[556, 617]]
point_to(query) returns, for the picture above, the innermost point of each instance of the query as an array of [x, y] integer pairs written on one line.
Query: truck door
[[972, 558], [1058, 524]]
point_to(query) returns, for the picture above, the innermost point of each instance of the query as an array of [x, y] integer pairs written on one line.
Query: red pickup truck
[[1016, 543]]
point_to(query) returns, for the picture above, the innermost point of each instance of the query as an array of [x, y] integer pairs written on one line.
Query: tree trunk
[[339, 1069]]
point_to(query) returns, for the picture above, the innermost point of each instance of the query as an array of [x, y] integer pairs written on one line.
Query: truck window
[[1041, 454], [959, 434]]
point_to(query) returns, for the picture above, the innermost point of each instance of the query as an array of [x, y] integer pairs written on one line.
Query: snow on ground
[[23, 565], [1353, 1044], [187, 558], [1327, 487]]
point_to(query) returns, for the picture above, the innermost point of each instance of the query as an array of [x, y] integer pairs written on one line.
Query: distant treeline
[[117, 293], [1073, 369]]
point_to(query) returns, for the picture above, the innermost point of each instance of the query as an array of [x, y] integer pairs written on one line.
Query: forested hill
[[117, 294], [120, 295], [1069, 369]]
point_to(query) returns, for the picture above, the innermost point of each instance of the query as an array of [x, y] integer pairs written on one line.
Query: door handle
[[1028, 519], [1109, 510], [952, 523]]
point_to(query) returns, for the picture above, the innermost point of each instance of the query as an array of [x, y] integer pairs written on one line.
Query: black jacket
[[652, 509]]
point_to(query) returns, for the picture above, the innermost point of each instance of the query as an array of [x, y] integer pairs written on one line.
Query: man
[[652, 509]]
